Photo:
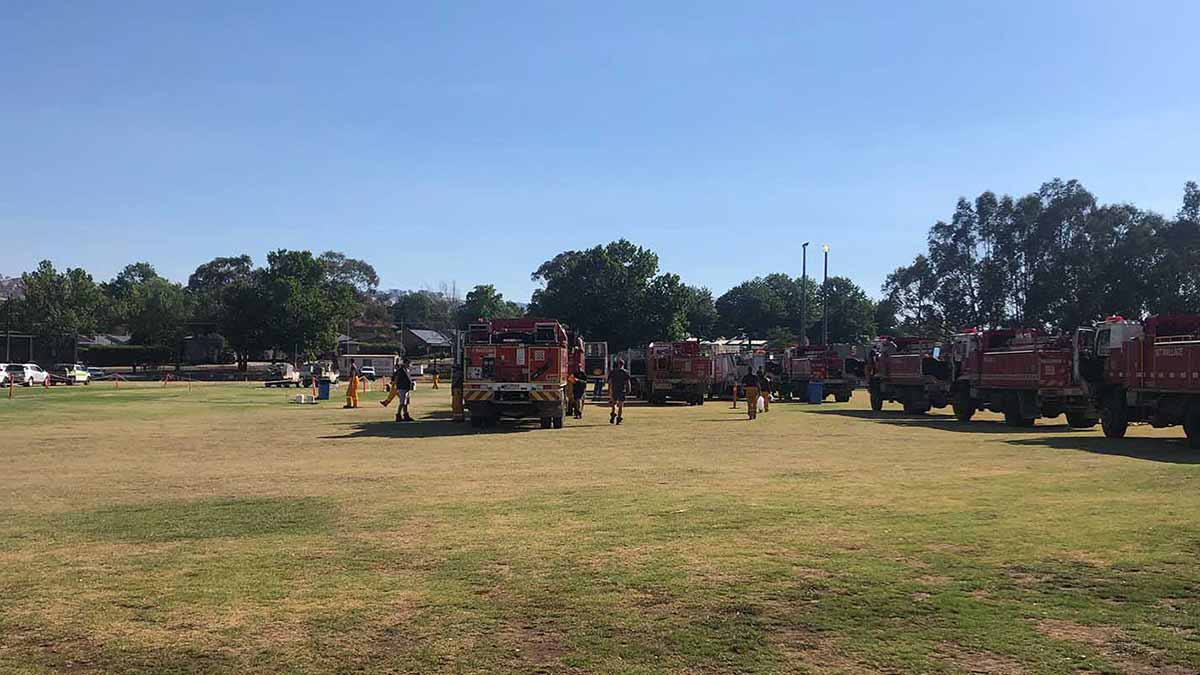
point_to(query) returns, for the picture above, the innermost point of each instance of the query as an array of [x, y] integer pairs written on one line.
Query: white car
[[25, 374]]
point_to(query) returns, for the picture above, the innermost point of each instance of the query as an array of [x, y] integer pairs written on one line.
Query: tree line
[[1055, 258]]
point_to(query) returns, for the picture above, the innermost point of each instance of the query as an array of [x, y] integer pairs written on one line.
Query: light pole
[[825, 300], [804, 294]]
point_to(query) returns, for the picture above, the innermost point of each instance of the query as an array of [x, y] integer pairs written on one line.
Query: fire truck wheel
[[1191, 427], [558, 422], [876, 399], [1012, 417], [964, 407], [546, 422], [1113, 418], [1078, 420]]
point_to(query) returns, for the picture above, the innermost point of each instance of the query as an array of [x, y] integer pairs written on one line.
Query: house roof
[[104, 339], [432, 338]]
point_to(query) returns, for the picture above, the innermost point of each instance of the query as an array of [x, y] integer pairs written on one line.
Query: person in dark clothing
[[580, 391], [619, 382], [750, 387], [402, 383]]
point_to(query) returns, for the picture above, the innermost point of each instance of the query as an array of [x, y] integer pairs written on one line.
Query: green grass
[[221, 529]]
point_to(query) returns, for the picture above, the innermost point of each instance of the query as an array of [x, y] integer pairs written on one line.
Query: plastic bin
[[323, 390], [816, 391]]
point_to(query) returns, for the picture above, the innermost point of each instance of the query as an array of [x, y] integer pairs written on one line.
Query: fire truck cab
[[910, 371], [515, 368], [1143, 372], [1022, 373]]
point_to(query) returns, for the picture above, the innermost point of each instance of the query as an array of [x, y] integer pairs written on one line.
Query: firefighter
[[402, 384], [764, 381], [436, 376], [580, 393], [456, 393], [352, 387], [750, 389], [618, 387], [392, 386]]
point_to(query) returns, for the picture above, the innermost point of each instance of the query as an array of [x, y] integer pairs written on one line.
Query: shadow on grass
[[1169, 450], [945, 422], [430, 427]]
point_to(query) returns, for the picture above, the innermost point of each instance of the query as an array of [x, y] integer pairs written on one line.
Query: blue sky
[[467, 142]]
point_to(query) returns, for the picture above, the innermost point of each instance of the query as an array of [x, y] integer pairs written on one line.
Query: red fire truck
[[1144, 372], [1022, 373], [677, 370], [515, 368], [909, 371], [804, 364]]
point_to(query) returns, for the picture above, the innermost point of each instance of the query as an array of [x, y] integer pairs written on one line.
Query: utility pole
[[825, 300], [804, 294]]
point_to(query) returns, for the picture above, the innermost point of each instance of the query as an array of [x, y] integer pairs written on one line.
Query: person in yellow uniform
[[352, 387], [750, 388], [436, 376]]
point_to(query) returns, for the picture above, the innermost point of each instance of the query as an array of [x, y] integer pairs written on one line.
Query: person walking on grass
[[750, 389], [580, 393], [618, 387], [352, 387], [392, 393], [764, 388], [402, 386], [436, 377]]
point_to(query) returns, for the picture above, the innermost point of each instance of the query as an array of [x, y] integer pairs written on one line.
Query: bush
[[126, 355]]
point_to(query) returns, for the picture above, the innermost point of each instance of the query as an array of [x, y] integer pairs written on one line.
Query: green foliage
[[485, 302], [127, 355], [207, 285], [615, 293], [1054, 258], [56, 304], [425, 309], [341, 270]]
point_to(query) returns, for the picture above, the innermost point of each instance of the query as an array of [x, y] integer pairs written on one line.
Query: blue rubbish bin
[[323, 390], [816, 391]]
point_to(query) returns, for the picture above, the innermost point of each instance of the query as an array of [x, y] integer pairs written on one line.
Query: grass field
[[162, 530]]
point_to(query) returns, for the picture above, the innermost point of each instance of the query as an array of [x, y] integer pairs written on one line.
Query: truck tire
[[876, 399], [1012, 417], [1078, 420], [1114, 419], [546, 422], [964, 407], [557, 422], [1191, 427]]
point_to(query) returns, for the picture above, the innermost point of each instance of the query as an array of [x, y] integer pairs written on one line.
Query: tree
[[757, 306], [611, 293], [700, 312], [484, 301], [156, 311], [426, 309], [357, 274], [208, 283], [305, 306], [56, 305], [245, 316], [851, 314]]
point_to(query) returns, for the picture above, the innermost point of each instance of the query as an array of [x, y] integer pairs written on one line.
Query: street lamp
[[804, 294], [825, 300]]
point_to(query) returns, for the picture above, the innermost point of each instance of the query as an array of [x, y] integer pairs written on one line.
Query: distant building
[[425, 342]]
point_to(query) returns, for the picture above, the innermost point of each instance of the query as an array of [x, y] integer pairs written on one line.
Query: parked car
[[26, 374], [96, 373], [71, 373], [3, 374], [368, 372], [282, 375]]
